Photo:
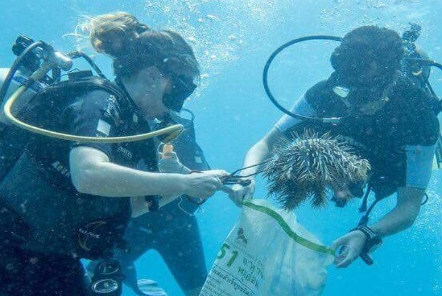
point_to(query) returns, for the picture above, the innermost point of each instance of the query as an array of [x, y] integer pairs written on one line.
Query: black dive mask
[[182, 88], [355, 94]]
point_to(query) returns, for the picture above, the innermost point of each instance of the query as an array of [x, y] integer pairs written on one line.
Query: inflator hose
[[174, 130], [266, 73]]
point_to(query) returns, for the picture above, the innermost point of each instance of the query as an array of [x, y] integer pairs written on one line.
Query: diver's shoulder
[[97, 97], [407, 89], [318, 93], [319, 88], [95, 103]]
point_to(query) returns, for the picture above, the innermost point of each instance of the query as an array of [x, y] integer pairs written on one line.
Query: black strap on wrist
[[371, 239]]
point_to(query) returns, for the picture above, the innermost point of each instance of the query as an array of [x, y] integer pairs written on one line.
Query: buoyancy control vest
[[407, 119], [13, 139], [60, 220]]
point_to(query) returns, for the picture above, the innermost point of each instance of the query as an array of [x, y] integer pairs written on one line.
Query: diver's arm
[[93, 173], [256, 154], [169, 164], [261, 151], [264, 148], [403, 215], [400, 218], [409, 198]]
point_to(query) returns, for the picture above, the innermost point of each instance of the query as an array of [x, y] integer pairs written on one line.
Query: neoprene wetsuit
[[59, 225]]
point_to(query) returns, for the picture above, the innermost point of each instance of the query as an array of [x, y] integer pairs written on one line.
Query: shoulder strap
[[77, 87]]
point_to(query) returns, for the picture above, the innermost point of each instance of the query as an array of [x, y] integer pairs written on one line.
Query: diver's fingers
[[341, 250], [343, 194], [219, 173], [234, 197], [202, 184], [170, 154], [347, 260], [237, 194], [344, 263], [250, 190], [338, 259], [340, 242], [207, 192], [345, 254]]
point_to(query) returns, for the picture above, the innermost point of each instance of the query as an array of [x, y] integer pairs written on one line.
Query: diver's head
[[158, 68], [109, 32], [368, 55], [366, 61]]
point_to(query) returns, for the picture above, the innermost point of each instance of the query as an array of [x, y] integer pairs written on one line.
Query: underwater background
[[232, 40]]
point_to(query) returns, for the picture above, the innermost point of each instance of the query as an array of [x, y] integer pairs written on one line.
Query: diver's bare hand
[[343, 192], [348, 247], [203, 184], [240, 193]]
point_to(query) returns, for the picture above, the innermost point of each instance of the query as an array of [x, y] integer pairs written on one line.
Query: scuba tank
[[13, 139], [16, 82]]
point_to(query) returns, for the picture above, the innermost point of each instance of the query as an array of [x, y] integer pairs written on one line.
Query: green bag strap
[[300, 240]]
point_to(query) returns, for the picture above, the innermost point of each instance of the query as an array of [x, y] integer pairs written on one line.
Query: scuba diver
[[172, 230], [62, 201], [384, 115]]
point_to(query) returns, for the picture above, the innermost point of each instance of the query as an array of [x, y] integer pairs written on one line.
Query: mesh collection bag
[[268, 253]]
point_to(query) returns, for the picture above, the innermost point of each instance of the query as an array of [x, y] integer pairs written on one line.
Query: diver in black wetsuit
[[172, 230], [64, 201], [387, 118]]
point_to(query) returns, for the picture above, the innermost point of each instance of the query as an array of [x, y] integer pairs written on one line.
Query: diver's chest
[[130, 153], [393, 129]]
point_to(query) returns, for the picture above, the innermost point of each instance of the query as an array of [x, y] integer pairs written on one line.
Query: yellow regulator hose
[[173, 131]]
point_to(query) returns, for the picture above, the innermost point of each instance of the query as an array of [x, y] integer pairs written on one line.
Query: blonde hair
[[133, 46], [108, 32]]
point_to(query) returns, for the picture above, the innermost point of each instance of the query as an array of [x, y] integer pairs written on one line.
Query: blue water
[[232, 40]]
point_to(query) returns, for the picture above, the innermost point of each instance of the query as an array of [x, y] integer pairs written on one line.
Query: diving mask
[[355, 95], [182, 88]]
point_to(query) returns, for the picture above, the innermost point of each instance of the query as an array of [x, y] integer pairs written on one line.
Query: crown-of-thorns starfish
[[305, 168]]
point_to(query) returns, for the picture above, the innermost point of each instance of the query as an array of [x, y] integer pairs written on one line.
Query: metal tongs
[[243, 180], [232, 180]]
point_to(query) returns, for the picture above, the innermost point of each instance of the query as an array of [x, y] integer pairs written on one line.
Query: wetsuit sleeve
[[95, 115], [301, 107], [419, 165]]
